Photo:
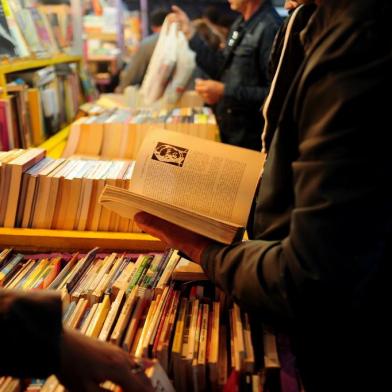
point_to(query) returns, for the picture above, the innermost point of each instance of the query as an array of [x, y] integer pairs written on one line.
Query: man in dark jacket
[[320, 264], [35, 345], [238, 80]]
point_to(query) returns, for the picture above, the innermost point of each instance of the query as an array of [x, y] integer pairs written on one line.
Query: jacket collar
[[264, 4]]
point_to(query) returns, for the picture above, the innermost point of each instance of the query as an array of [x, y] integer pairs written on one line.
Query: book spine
[[88, 260]]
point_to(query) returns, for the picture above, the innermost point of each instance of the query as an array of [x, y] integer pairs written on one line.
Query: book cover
[[22, 50], [7, 43]]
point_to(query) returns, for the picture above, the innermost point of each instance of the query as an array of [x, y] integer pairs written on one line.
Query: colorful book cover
[[7, 42]]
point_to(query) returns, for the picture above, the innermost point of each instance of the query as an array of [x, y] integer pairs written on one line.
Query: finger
[[147, 362], [172, 18], [147, 220], [152, 225], [289, 5], [200, 95], [201, 88], [177, 10], [130, 382], [167, 232], [128, 373]]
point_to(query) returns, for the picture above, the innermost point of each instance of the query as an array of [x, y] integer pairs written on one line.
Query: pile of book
[[29, 31], [119, 133], [199, 337], [38, 104], [102, 35], [41, 192]]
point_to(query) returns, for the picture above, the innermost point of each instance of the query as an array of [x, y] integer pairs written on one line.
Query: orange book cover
[[36, 120], [55, 269]]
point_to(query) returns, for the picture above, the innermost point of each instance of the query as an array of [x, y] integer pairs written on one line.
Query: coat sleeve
[[340, 224], [30, 330]]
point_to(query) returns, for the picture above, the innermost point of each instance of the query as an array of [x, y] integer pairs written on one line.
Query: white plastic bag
[[161, 65], [185, 66]]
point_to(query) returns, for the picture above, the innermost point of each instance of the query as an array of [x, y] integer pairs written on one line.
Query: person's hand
[[181, 18], [290, 4], [190, 243], [87, 362], [210, 90]]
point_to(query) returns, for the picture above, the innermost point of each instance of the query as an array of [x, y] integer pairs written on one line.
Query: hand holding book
[[200, 185], [188, 242]]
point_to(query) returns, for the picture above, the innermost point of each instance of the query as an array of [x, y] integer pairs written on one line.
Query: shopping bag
[[185, 67], [161, 65]]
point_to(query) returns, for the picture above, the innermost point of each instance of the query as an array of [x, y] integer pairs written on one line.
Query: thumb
[[177, 10], [143, 218]]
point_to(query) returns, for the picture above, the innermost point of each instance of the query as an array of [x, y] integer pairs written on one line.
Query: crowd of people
[[317, 263]]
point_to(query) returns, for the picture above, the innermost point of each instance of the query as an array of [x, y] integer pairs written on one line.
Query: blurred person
[[238, 80], [213, 15], [214, 41], [36, 345], [134, 71], [319, 266], [208, 33]]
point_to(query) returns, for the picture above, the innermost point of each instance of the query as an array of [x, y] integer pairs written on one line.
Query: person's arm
[[210, 61], [233, 268], [30, 327], [340, 223], [35, 345], [87, 362]]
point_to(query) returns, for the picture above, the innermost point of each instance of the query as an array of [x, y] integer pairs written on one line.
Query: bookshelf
[[12, 66], [104, 42], [68, 240], [37, 126], [55, 145]]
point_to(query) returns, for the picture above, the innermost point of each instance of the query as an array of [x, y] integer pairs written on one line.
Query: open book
[[201, 185]]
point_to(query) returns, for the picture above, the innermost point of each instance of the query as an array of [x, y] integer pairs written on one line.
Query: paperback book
[[204, 186]]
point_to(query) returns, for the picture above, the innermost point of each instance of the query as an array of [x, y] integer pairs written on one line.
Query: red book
[[4, 127]]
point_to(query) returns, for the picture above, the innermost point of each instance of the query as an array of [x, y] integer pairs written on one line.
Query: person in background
[[213, 17], [238, 80], [35, 345], [134, 71], [320, 264], [208, 33]]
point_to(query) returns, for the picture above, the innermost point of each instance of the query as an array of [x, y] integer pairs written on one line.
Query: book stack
[[197, 335], [38, 104], [27, 31], [60, 20], [102, 35], [119, 133], [46, 193]]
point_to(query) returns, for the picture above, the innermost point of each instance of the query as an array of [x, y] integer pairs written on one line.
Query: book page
[[213, 179]]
